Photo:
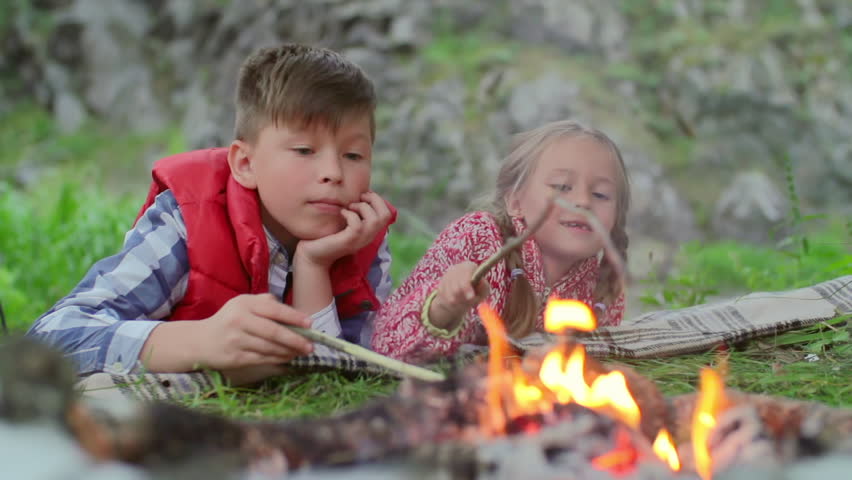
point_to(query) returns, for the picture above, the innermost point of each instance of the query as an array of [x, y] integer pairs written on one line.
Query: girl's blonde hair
[[522, 305]]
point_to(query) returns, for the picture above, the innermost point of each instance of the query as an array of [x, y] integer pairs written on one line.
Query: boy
[[283, 213]]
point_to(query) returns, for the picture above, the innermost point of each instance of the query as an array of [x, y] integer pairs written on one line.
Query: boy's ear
[[239, 159]]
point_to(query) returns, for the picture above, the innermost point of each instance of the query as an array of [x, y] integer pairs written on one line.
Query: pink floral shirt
[[398, 331]]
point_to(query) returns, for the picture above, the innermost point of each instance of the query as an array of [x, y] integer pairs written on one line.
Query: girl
[[433, 312]]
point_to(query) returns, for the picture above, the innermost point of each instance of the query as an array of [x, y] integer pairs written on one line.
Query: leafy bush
[[49, 239]]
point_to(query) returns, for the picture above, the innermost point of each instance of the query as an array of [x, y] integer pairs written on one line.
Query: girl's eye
[[303, 150], [560, 187], [601, 196], [353, 156]]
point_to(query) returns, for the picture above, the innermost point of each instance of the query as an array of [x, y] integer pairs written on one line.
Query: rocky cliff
[[710, 100]]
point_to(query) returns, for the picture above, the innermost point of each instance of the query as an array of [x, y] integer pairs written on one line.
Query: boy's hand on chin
[[364, 220], [249, 331]]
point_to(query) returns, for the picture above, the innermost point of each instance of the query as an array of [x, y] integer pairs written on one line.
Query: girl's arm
[[399, 330]]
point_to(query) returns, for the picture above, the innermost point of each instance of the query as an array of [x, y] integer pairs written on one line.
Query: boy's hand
[[249, 331], [456, 296], [364, 219]]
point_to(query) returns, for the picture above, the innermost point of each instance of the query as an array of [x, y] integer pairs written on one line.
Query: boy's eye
[[353, 156], [303, 150], [560, 187]]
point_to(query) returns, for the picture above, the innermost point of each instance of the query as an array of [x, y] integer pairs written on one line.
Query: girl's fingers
[[483, 289]]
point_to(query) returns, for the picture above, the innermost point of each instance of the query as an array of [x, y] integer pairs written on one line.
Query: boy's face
[[584, 173], [304, 176]]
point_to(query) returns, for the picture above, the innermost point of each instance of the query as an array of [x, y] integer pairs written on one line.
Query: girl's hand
[[456, 296], [364, 220]]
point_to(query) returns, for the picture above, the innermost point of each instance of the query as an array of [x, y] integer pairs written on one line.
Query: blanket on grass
[[652, 335]]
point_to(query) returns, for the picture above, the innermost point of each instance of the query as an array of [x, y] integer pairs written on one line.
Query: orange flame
[[665, 449], [711, 399], [496, 373], [561, 314], [562, 378], [608, 392], [622, 458]]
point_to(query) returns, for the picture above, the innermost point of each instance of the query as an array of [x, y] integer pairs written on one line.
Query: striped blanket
[[651, 335]]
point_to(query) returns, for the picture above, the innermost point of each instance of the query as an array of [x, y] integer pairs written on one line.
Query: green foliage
[[49, 239], [467, 50], [406, 251], [802, 258], [30, 138], [22, 129]]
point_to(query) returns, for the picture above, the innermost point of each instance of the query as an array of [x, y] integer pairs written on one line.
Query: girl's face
[[584, 172]]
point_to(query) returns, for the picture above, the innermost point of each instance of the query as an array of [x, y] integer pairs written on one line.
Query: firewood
[[808, 428]]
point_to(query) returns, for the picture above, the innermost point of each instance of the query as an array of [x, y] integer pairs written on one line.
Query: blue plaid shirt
[[104, 321]]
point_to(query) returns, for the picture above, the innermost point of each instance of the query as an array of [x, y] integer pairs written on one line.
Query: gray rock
[[547, 98], [657, 210], [69, 112], [580, 25], [751, 209]]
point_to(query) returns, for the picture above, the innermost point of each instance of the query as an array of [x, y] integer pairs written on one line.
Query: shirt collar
[[277, 253]]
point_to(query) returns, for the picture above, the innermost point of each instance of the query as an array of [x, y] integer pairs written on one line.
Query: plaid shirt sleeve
[[380, 279], [103, 323]]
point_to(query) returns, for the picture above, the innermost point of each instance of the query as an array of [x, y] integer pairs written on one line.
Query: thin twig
[[515, 242], [368, 355], [512, 244], [609, 248]]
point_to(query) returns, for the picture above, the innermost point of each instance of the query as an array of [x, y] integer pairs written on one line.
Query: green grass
[[49, 238], [313, 394], [728, 267]]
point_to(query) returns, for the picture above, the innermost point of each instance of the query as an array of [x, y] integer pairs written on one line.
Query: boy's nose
[[330, 169]]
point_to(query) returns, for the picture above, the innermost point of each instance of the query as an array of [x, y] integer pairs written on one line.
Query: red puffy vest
[[226, 244]]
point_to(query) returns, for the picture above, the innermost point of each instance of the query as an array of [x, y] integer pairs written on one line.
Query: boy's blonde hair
[[300, 85], [522, 305]]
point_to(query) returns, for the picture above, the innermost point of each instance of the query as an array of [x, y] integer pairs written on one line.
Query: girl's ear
[[513, 205], [239, 159]]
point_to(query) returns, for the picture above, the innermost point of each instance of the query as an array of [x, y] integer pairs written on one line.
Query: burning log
[[447, 414], [790, 428]]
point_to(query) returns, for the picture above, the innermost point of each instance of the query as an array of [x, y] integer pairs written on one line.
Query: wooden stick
[[362, 353], [609, 247], [512, 244], [515, 242]]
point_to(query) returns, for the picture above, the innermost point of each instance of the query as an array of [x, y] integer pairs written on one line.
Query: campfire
[[536, 389], [554, 413]]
